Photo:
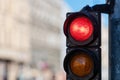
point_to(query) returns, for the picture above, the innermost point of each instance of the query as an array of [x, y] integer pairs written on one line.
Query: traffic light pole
[[114, 42]]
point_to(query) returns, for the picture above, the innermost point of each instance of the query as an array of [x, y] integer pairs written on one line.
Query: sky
[[76, 5]]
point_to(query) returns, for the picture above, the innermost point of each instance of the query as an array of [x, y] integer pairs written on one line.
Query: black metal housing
[[95, 55]]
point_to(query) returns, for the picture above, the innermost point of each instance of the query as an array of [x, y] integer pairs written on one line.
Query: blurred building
[[29, 32], [45, 32], [14, 37]]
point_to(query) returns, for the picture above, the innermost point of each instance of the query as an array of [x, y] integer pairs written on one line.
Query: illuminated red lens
[[81, 28]]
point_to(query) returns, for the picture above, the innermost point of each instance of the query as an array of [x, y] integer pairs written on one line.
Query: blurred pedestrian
[[60, 75], [47, 72]]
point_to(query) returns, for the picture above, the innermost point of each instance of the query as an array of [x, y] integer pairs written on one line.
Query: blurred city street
[[32, 42]]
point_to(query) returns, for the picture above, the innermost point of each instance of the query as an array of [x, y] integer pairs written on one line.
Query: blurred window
[[2, 70]]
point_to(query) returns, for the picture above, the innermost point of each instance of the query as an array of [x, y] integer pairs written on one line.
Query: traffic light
[[83, 40]]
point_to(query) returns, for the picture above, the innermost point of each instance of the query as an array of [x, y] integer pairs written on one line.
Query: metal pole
[[114, 42]]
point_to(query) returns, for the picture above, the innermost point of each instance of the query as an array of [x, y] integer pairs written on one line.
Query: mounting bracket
[[107, 8]]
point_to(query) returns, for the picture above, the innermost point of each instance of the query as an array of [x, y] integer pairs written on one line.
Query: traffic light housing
[[83, 40]]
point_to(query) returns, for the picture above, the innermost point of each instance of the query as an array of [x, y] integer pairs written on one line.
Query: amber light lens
[[81, 28], [81, 65]]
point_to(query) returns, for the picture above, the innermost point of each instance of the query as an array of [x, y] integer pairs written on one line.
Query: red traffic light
[[83, 40], [81, 28]]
